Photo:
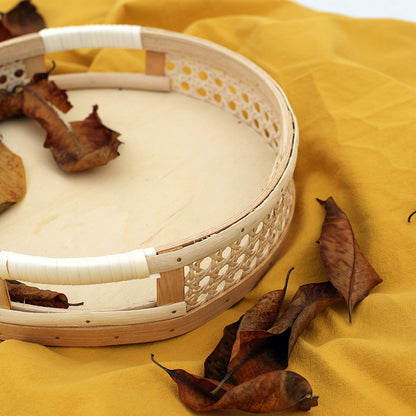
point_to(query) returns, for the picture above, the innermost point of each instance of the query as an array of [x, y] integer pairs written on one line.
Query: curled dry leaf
[[259, 317], [20, 292], [257, 351], [21, 19], [80, 146], [254, 351], [271, 392], [309, 300], [12, 178], [216, 364], [347, 268]]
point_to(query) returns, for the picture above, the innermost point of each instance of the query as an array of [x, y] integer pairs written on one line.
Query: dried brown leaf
[[308, 302], [12, 178], [21, 19], [347, 268], [270, 392], [255, 323], [258, 351], [20, 292], [11, 104], [48, 91], [99, 143], [216, 364], [275, 391], [244, 334], [80, 146]]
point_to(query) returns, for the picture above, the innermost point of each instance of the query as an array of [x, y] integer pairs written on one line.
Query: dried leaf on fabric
[[216, 364], [274, 391], [259, 351], [347, 268]]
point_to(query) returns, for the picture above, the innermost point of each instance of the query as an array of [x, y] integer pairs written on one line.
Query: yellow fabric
[[352, 85]]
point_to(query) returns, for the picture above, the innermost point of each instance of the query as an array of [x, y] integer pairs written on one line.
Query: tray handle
[[76, 271], [91, 36]]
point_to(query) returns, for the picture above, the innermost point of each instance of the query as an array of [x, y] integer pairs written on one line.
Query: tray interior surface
[[185, 166]]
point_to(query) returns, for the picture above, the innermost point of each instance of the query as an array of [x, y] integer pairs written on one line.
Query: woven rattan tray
[[165, 284]]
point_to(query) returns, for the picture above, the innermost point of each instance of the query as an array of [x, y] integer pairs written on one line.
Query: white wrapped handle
[[91, 36], [75, 271]]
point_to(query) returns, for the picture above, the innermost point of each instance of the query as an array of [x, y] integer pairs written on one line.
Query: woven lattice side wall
[[207, 278], [222, 89]]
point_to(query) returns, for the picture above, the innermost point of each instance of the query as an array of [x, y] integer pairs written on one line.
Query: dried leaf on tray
[[81, 145], [347, 268], [270, 392], [12, 178], [20, 292], [11, 104], [21, 19]]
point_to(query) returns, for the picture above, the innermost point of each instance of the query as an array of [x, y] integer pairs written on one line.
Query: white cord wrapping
[[75, 271], [91, 36]]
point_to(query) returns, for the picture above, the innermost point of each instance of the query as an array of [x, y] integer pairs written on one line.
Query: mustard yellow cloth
[[352, 85]]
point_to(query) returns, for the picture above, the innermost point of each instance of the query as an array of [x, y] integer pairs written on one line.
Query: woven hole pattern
[[12, 74], [217, 87], [207, 278]]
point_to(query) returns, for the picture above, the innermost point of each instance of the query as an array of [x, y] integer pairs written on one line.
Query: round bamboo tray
[[170, 288]]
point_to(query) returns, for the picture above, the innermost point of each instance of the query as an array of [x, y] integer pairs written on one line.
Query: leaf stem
[[284, 291], [172, 373], [230, 373], [70, 304], [46, 74], [305, 396]]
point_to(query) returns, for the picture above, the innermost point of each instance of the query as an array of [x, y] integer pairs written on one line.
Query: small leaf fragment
[[12, 178], [99, 143], [347, 268], [48, 91]]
